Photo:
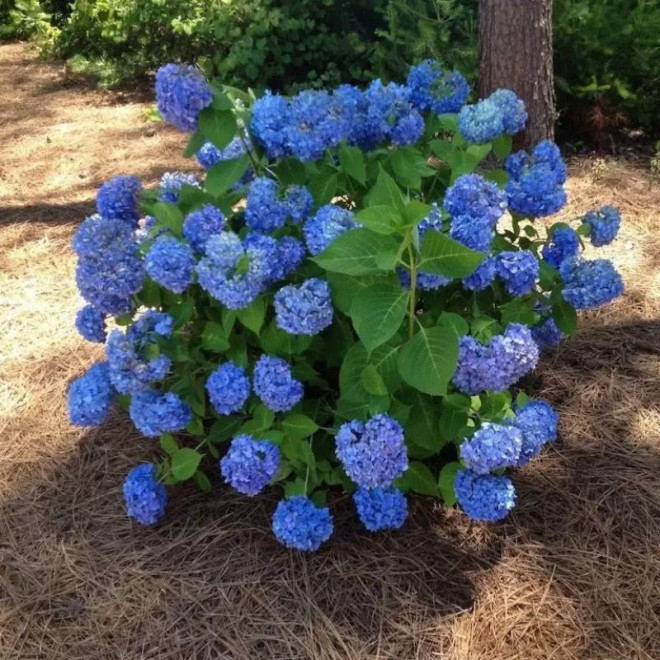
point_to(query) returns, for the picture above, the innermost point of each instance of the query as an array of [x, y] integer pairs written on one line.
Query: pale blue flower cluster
[[329, 222], [266, 211], [381, 508], [498, 365], [563, 244], [590, 283], [119, 199], [502, 112], [275, 385], [144, 495], [250, 464], [91, 396], [603, 224], [373, 453], [201, 224], [299, 524], [305, 309], [537, 420], [154, 413], [90, 323], [181, 94], [228, 388], [171, 183], [492, 447], [432, 88], [518, 270], [170, 263], [484, 497]]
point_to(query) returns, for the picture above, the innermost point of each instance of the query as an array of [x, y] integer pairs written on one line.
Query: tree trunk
[[515, 52]]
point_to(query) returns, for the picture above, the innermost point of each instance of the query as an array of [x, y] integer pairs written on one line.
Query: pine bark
[[515, 52]]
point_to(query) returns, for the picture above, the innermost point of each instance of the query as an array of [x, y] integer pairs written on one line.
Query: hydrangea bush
[[345, 296]]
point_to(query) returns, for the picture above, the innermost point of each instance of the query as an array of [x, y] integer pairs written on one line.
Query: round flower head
[[518, 270], [119, 199], [264, 210], [514, 115], [91, 397], [228, 388], [298, 523], [144, 495], [431, 88], [90, 323], [547, 334], [481, 121], [275, 385], [484, 497], [209, 155], [181, 94], [475, 233], [473, 196], [329, 223], [603, 224], [482, 277], [563, 244], [537, 420], [250, 464], [269, 119], [201, 224], [590, 283], [392, 113], [372, 453], [171, 184], [305, 309], [363, 124], [492, 447], [290, 253], [170, 263], [98, 236], [154, 413], [381, 508]]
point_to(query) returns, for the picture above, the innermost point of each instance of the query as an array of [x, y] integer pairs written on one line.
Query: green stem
[[413, 293]]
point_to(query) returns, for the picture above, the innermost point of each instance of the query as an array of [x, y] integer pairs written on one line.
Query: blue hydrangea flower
[[228, 388], [154, 413], [90, 323], [290, 253], [201, 224], [518, 270], [372, 453], [482, 277], [305, 309], [590, 283], [381, 508], [492, 447], [170, 263], [310, 127], [604, 225], [484, 497], [209, 155], [537, 420], [119, 199], [91, 396], [250, 464], [181, 94], [363, 125], [473, 196], [501, 112], [547, 334], [144, 495], [563, 244], [97, 235], [264, 210], [298, 523], [391, 113], [329, 223], [275, 385], [299, 202], [475, 233], [431, 88], [171, 183], [270, 117], [514, 114]]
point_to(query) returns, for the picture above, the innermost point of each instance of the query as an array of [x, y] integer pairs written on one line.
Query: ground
[[572, 574]]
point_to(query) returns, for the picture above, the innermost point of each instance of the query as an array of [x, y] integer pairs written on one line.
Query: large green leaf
[[350, 373], [297, 425], [168, 215], [386, 192], [225, 174], [352, 160], [444, 256], [564, 315], [423, 425], [217, 126], [418, 479], [252, 316], [383, 219], [446, 482], [185, 463]]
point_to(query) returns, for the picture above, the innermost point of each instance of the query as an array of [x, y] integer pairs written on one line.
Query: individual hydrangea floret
[[228, 388], [537, 420], [144, 495], [473, 196], [381, 508], [171, 184], [119, 199], [154, 413], [275, 385], [250, 464], [201, 224], [91, 396], [330, 222], [518, 270], [484, 497], [90, 323], [590, 283], [299, 524], [492, 447], [170, 263], [432, 88], [563, 244], [305, 309], [482, 277], [546, 334], [372, 453], [181, 94], [603, 224]]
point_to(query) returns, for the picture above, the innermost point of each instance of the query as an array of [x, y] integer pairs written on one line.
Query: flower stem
[[413, 294]]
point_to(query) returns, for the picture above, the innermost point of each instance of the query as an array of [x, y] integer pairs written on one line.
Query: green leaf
[[519, 310], [386, 192], [298, 426], [298, 449], [345, 287], [202, 481], [169, 216], [564, 315], [474, 154], [379, 218], [225, 174], [352, 160], [320, 498], [419, 479], [214, 338], [384, 358], [423, 425], [372, 381], [293, 488], [428, 360], [194, 145], [350, 373], [416, 211], [278, 342], [410, 166], [217, 126], [494, 405], [442, 255], [185, 463], [196, 427], [357, 252], [168, 444], [453, 422], [291, 171], [502, 146], [323, 188], [224, 428], [446, 482], [253, 316], [484, 328], [500, 177], [455, 322], [377, 313]]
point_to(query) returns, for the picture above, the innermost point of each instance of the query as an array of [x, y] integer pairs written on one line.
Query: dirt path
[[572, 574]]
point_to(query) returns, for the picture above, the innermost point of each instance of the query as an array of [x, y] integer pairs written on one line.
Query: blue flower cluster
[[329, 222], [265, 210], [497, 366], [492, 447], [535, 186], [228, 388], [90, 323], [171, 184], [372, 453], [305, 309], [209, 155], [484, 497], [518, 270], [298, 523], [590, 283], [537, 420], [564, 243], [154, 413], [603, 224], [181, 94], [482, 277], [119, 199], [432, 88], [201, 224], [546, 333], [274, 384], [91, 396], [170, 263], [250, 464], [381, 508], [144, 495], [501, 112]]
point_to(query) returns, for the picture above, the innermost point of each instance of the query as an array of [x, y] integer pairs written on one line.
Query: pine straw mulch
[[572, 574]]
